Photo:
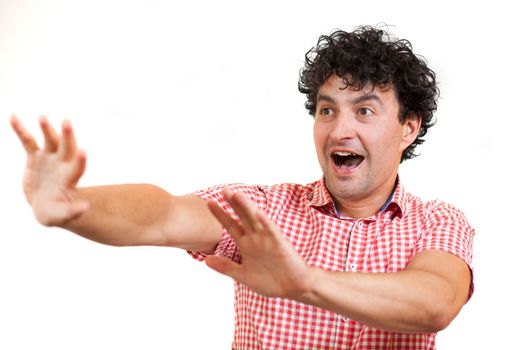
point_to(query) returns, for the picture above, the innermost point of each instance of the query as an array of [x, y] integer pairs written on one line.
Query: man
[[351, 261]]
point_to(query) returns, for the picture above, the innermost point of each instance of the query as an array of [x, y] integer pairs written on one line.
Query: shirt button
[[352, 267]]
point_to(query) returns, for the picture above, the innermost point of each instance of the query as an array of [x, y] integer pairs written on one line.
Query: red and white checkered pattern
[[384, 242]]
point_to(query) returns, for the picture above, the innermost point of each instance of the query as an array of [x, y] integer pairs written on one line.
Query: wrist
[[307, 292]]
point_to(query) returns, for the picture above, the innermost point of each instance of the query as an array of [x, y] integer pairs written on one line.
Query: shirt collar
[[321, 197]]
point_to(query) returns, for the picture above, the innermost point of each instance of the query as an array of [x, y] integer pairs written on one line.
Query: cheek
[[383, 144], [319, 137]]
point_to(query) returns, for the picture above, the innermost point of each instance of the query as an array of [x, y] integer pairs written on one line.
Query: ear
[[411, 128]]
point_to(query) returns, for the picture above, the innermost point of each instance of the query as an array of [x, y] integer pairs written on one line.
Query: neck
[[366, 206]]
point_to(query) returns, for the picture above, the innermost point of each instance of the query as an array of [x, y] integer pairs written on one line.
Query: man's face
[[359, 139]]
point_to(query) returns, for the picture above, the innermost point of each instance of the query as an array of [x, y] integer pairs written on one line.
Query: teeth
[[345, 154]]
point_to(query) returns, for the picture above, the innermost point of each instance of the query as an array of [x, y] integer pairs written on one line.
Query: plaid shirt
[[384, 242]]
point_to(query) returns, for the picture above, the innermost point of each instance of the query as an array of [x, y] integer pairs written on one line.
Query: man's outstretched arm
[[423, 298], [138, 214]]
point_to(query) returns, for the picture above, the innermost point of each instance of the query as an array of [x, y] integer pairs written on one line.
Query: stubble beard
[[351, 188]]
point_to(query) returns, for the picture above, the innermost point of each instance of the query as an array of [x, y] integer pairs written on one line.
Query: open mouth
[[346, 160]]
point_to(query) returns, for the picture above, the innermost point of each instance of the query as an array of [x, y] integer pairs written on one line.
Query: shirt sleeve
[[447, 229], [226, 245]]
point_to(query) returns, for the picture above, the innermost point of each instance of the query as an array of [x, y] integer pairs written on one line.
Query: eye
[[365, 112], [325, 111]]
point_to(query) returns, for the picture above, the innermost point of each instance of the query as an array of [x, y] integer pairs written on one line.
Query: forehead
[[337, 89]]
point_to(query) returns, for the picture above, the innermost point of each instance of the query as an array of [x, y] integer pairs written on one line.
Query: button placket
[[354, 247]]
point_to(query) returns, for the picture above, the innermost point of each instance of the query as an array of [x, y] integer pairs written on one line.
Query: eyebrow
[[325, 98], [360, 99], [367, 97]]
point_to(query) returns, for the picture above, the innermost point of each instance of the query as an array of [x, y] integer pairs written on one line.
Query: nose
[[344, 127]]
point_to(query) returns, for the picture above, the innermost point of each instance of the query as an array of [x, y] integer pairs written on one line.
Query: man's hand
[[270, 265], [52, 173]]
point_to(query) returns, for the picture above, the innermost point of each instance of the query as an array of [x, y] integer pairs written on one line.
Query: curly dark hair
[[369, 56]]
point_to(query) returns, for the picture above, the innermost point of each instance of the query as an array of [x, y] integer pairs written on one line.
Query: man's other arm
[[423, 298]]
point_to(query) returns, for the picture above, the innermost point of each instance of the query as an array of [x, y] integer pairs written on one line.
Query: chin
[[347, 188]]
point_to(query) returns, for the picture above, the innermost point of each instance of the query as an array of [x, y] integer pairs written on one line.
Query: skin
[[423, 298], [363, 122]]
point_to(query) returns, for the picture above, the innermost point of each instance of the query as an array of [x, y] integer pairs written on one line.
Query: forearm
[[123, 214], [407, 301]]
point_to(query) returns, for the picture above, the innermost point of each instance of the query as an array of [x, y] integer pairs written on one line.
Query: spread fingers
[[24, 136], [50, 135], [67, 146]]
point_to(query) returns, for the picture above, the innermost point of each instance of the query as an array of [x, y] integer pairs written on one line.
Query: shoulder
[[268, 196], [443, 227], [285, 194], [288, 190], [438, 211], [433, 210], [437, 222]]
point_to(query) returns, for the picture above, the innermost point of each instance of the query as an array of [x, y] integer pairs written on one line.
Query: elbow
[[441, 306], [439, 316], [440, 322]]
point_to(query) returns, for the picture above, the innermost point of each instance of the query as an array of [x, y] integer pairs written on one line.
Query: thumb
[[73, 211], [77, 208], [225, 266]]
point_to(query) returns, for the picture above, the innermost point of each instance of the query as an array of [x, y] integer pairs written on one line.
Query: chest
[[382, 244]]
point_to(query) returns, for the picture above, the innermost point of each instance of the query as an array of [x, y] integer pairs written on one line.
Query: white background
[[186, 96]]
